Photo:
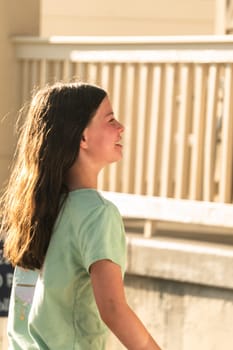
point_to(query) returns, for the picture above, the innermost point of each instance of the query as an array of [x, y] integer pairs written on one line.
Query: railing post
[[220, 16]]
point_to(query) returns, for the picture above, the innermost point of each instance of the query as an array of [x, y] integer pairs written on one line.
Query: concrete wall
[[16, 18], [127, 17], [183, 316], [183, 292]]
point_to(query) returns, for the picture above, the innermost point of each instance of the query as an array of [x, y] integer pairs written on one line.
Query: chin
[[115, 159]]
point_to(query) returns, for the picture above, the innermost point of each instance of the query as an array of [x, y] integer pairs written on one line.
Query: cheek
[[103, 136], [97, 143], [98, 140]]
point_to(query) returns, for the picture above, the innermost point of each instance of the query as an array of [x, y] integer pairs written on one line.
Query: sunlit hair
[[48, 146]]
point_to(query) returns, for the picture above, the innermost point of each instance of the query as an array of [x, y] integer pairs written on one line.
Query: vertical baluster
[[227, 138], [66, 76], [184, 118], [79, 71], [25, 80], [34, 75], [104, 78], [57, 71], [92, 73], [141, 128], [168, 132], [197, 141], [43, 72], [210, 134], [154, 138], [128, 112]]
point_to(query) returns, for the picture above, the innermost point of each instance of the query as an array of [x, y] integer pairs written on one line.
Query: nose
[[120, 126]]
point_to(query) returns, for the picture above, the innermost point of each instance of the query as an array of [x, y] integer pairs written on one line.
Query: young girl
[[66, 241]]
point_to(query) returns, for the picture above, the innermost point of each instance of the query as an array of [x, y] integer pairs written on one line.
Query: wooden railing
[[227, 6], [174, 96]]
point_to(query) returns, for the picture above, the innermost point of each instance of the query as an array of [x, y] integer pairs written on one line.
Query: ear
[[83, 143]]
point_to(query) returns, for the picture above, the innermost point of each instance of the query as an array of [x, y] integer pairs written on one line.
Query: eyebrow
[[108, 114]]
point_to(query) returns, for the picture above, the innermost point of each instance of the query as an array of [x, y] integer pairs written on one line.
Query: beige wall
[[21, 18], [127, 17]]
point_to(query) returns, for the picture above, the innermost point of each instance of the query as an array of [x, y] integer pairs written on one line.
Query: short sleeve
[[102, 236]]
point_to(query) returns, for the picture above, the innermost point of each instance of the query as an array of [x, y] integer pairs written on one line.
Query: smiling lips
[[118, 144]]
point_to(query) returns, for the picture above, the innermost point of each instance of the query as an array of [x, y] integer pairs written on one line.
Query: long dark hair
[[48, 146]]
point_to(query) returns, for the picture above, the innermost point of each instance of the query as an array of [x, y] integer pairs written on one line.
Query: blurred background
[[168, 69]]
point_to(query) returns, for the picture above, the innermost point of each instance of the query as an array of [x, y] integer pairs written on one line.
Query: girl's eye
[[112, 120]]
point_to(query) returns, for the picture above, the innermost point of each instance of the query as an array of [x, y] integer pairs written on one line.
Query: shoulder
[[89, 203], [89, 198]]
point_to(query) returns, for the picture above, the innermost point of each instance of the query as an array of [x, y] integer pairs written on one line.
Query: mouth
[[119, 144]]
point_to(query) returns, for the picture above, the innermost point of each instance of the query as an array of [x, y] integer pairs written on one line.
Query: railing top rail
[[161, 40], [173, 210], [155, 56], [198, 49]]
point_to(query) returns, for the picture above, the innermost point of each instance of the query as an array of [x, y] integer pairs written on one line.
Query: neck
[[81, 176]]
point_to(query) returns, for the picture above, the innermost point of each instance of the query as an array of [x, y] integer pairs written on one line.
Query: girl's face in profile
[[102, 137]]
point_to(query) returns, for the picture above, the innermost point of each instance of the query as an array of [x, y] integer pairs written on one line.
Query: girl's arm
[[106, 278]]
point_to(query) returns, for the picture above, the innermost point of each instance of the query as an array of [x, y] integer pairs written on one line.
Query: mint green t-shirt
[[62, 314]]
